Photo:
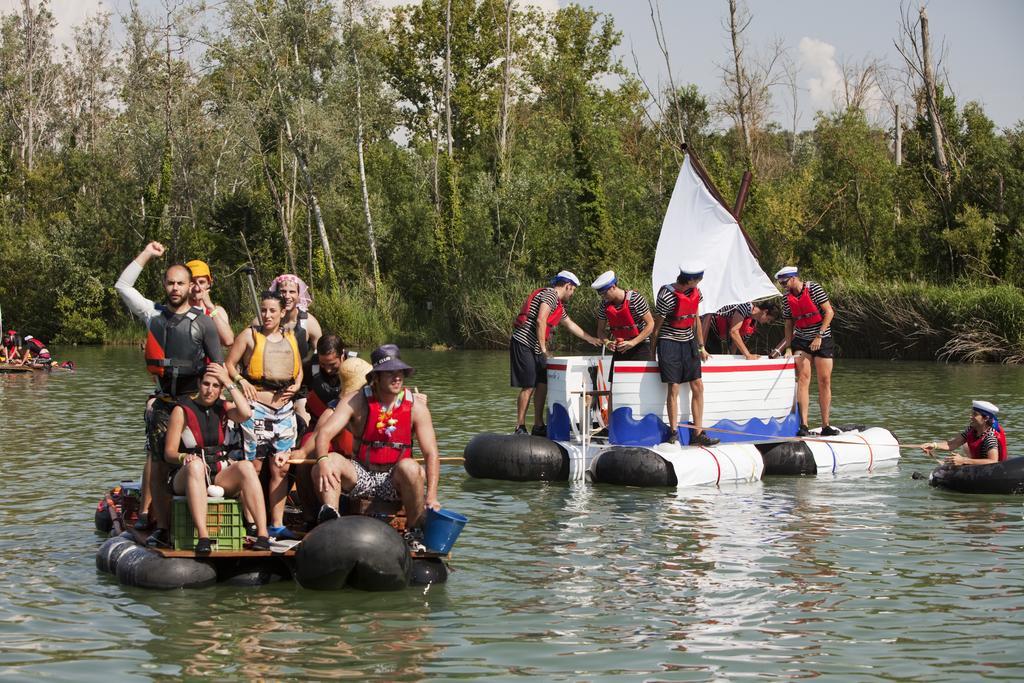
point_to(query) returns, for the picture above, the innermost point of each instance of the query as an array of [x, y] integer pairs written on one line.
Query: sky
[[984, 55]]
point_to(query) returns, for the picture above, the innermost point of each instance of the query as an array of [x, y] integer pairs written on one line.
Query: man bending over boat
[[808, 315], [180, 340], [199, 296], [541, 313], [736, 324], [385, 415], [198, 449], [677, 328], [984, 438]]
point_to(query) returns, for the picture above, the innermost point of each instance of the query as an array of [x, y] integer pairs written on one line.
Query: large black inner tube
[[428, 570], [787, 458], [633, 466], [1000, 478], [146, 568], [356, 551], [515, 457]]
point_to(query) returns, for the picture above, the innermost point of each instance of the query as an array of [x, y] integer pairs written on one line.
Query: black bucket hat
[[386, 359]]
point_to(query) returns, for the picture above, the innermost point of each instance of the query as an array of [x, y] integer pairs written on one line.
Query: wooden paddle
[[310, 461]]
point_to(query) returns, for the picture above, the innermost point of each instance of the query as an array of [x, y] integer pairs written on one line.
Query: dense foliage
[[424, 180]]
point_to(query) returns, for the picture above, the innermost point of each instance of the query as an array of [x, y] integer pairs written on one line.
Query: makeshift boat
[[361, 551], [616, 432], [999, 478]]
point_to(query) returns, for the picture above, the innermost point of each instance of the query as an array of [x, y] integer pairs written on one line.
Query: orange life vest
[[554, 317], [802, 308], [384, 442], [686, 308], [621, 323]]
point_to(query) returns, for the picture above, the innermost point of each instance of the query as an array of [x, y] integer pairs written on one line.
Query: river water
[[871, 577]]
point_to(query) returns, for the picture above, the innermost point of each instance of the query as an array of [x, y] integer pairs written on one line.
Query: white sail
[[698, 228]]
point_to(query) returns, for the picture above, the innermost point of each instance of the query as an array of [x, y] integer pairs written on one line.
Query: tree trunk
[[362, 174], [448, 75], [938, 139], [741, 105], [315, 205]]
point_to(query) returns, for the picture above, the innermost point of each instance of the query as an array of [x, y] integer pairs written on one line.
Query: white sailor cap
[[985, 408], [691, 268], [787, 272], [604, 281], [565, 276]]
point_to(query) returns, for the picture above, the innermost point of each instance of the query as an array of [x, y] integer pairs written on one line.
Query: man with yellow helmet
[[199, 296]]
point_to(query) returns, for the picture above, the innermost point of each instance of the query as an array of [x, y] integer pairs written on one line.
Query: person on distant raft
[[307, 329], [677, 328], [540, 314], [736, 324], [199, 448], [624, 319], [199, 296], [12, 347], [36, 352], [984, 438], [270, 377], [808, 314], [180, 341], [385, 415]]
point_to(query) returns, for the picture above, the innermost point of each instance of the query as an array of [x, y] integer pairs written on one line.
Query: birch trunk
[[371, 235], [741, 105], [938, 139]]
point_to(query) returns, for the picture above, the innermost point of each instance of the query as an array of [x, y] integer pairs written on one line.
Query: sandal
[[160, 538], [204, 546], [261, 543], [282, 532]]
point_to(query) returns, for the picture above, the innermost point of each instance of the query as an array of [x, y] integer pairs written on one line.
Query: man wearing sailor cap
[[540, 314], [984, 438], [808, 314], [677, 328], [623, 318]]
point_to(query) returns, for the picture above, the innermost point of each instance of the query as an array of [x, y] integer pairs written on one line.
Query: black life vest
[[321, 394], [174, 350]]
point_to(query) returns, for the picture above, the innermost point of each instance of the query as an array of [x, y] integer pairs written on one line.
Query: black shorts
[[641, 351], [678, 361], [157, 418], [826, 350], [527, 369]]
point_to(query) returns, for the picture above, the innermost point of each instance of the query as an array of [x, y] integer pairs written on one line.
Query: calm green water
[[869, 577]]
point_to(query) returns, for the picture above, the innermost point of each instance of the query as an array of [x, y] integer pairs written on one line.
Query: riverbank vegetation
[[424, 168]]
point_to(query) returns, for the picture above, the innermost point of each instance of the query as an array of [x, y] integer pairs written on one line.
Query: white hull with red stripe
[[859, 451], [732, 463]]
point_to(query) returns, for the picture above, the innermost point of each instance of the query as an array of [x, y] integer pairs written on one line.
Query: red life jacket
[[974, 444], [722, 323], [322, 392], [376, 447], [804, 311], [686, 308], [554, 317], [342, 443], [205, 431], [621, 323]]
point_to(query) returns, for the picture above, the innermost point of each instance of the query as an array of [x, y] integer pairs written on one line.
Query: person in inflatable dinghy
[[984, 437]]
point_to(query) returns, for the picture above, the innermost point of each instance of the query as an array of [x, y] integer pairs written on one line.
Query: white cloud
[[546, 5], [68, 13], [819, 58]]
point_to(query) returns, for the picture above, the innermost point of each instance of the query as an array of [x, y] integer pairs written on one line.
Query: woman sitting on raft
[[984, 436], [272, 374], [196, 446]]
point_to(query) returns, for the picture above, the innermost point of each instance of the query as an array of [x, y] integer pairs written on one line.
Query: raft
[[515, 457], [1000, 478], [857, 449], [356, 551]]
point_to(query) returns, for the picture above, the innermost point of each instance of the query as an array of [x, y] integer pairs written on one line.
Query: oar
[[784, 439]]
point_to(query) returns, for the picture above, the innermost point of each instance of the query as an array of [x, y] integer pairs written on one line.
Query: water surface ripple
[[871, 577]]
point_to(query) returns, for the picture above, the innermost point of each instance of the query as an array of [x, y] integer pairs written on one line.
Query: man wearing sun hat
[[677, 329], [385, 415], [808, 315], [199, 296], [984, 438], [623, 318], [540, 314]]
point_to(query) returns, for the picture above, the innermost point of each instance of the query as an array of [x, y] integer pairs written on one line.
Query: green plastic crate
[[223, 521]]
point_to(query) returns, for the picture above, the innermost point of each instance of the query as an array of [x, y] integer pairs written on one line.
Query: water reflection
[[845, 577]]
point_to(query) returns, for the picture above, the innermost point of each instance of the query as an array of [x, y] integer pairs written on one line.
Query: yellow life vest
[[257, 368]]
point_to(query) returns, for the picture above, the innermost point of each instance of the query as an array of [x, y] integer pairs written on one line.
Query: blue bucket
[[443, 527]]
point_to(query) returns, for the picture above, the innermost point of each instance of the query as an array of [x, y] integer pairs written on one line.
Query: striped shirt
[[819, 296], [665, 306], [638, 308], [745, 310], [988, 443], [527, 333]]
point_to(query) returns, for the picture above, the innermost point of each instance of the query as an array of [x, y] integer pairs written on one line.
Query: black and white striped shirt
[[819, 296], [745, 310], [665, 306], [527, 333], [989, 441]]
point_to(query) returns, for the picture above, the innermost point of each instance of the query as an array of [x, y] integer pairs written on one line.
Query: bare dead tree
[[448, 75], [915, 48], [739, 20]]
